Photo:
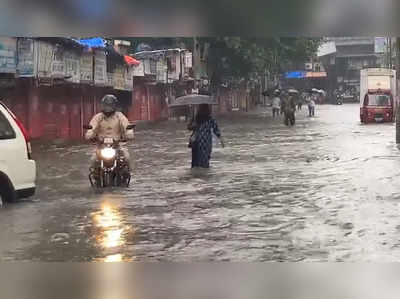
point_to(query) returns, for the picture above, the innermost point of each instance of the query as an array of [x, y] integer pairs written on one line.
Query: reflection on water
[[114, 258], [111, 235]]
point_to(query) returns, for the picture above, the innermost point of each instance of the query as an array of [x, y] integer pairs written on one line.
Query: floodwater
[[324, 190]]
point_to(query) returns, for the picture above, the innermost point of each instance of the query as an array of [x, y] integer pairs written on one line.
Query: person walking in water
[[311, 107], [276, 104], [203, 126], [300, 99]]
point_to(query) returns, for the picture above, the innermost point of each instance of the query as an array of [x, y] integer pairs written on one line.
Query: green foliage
[[242, 57]]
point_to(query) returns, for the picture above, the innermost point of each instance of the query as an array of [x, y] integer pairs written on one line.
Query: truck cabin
[[381, 98]]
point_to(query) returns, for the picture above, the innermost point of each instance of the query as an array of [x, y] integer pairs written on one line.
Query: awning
[[131, 61], [96, 42]]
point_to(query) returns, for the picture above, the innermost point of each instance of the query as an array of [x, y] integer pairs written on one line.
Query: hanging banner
[[129, 78], [100, 71], [138, 71], [86, 67], [58, 63], [26, 58], [8, 47], [119, 77], [72, 70], [161, 71], [45, 59]]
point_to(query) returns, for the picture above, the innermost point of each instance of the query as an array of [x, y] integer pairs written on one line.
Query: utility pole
[[397, 106], [390, 53]]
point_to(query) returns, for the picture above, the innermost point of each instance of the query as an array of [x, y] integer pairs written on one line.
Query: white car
[[17, 169]]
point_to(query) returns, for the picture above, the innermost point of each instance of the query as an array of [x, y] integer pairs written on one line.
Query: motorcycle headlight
[[108, 153]]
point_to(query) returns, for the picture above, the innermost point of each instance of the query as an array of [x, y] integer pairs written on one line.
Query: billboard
[[295, 75]]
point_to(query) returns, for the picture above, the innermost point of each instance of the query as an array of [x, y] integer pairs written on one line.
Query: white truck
[[378, 93]]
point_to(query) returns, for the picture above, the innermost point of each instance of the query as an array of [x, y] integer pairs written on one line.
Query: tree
[[243, 57]]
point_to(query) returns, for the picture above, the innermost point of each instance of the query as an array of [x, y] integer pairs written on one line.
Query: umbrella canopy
[[193, 99], [292, 90]]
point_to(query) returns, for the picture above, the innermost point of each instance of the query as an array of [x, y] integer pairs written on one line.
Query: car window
[[6, 131]]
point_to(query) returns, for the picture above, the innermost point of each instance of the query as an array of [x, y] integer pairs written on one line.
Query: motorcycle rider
[[110, 123]]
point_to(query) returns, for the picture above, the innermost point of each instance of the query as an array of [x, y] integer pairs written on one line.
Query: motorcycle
[[112, 169]]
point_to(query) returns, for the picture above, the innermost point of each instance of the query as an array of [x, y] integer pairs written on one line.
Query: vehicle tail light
[[24, 132]]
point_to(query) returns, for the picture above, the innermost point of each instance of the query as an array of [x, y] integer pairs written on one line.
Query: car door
[[12, 148]]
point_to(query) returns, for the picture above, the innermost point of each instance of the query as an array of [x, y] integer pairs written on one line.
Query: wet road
[[325, 190]]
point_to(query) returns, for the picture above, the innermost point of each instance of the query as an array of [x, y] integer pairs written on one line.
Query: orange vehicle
[[377, 94]]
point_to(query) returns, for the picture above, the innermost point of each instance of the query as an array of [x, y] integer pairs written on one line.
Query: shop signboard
[[119, 78], [58, 63], [316, 74], [129, 78], [86, 67], [8, 47], [295, 75], [138, 71], [100, 71], [44, 59], [110, 80], [72, 66], [161, 71], [26, 57]]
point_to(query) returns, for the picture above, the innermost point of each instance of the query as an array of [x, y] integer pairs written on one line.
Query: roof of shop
[[155, 53]]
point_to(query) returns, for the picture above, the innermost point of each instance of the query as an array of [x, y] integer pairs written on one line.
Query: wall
[[148, 103], [55, 112]]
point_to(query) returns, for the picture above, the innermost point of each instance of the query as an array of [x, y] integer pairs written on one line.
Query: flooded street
[[325, 190]]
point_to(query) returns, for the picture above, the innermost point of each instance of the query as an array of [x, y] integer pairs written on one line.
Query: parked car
[[17, 168]]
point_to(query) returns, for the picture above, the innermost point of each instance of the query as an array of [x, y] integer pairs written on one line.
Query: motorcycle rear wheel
[[106, 179]]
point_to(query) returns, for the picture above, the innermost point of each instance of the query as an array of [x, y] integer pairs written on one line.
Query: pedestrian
[[276, 104], [290, 109], [299, 102], [283, 98], [203, 126], [311, 107]]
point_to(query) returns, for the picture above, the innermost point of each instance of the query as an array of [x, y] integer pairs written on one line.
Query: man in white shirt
[[276, 104]]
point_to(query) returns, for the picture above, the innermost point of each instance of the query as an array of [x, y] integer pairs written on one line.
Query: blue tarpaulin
[[295, 75], [96, 42]]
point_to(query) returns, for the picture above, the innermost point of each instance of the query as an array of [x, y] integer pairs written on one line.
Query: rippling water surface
[[325, 190]]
